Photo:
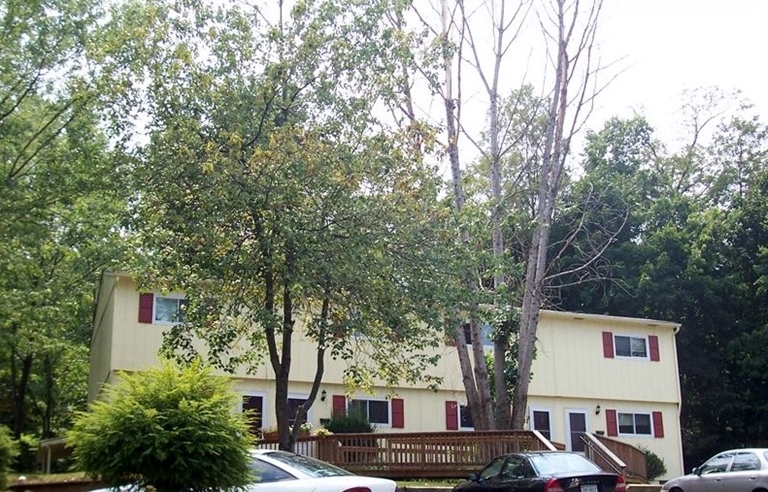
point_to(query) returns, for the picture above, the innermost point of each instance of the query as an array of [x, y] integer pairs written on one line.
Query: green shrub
[[169, 428], [9, 449], [654, 465], [351, 423], [26, 459]]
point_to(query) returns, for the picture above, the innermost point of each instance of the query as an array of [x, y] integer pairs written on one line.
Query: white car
[[283, 471], [737, 470]]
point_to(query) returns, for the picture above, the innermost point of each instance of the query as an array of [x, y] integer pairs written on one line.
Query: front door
[[577, 425]]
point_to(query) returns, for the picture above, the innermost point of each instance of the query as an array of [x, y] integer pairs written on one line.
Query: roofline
[[606, 317], [546, 312]]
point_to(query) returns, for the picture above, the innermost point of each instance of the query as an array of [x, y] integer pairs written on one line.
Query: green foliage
[[8, 451], [271, 194], [692, 250], [60, 211], [654, 465], [169, 428], [351, 423]]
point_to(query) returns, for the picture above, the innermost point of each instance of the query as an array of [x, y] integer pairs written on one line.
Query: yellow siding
[[569, 371], [570, 363]]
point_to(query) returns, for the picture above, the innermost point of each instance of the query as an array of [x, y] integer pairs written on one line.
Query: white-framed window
[[254, 403], [635, 424], [486, 331], [541, 420], [630, 346], [376, 411], [294, 402], [169, 308], [465, 418]]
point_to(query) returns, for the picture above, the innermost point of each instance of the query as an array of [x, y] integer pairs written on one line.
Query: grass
[[46, 478]]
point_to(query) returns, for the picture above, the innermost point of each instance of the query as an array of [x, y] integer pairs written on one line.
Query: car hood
[[326, 484]]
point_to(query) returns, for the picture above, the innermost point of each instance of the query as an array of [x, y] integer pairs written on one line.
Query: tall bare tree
[[570, 26]]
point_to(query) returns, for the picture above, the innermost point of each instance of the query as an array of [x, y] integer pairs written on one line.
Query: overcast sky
[[672, 45]]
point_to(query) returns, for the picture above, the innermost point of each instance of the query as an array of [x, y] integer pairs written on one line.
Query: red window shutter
[[339, 406], [608, 344], [398, 413], [146, 299], [611, 424], [451, 415], [658, 425], [653, 342]]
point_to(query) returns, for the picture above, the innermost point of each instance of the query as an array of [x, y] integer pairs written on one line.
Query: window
[[493, 469], [266, 472], [293, 409], [465, 417], [486, 331], [745, 461], [376, 411], [169, 309], [517, 467], [256, 405], [638, 424], [541, 423], [631, 346], [716, 464]]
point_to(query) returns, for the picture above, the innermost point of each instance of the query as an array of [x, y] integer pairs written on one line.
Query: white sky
[[672, 45]]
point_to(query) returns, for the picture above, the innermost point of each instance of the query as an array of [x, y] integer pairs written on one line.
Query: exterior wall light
[[323, 395], [597, 409]]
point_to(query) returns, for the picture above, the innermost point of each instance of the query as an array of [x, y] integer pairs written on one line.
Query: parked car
[[276, 471], [545, 471], [283, 471], [735, 470]]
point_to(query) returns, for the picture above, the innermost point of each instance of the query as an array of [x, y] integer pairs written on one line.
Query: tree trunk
[[555, 151], [476, 382]]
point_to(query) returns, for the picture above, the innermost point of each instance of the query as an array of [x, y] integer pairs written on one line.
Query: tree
[[8, 452], [59, 211], [574, 41], [691, 253], [272, 195], [169, 428], [454, 54]]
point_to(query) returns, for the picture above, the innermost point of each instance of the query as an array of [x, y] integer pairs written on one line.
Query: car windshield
[[310, 466], [556, 463]]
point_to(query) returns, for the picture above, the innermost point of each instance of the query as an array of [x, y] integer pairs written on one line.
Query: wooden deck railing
[[433, 454], [613, 455]]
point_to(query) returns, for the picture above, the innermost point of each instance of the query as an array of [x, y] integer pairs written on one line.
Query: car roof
[[753, 450]]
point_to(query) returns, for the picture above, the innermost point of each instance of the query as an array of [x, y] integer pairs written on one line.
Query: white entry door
[[577, 424]]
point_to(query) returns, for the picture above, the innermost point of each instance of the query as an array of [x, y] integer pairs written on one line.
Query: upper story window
[[631, 346], [638, 424], [376, 411], [169, 309], [161, 308], [485, 329], [627, 346]]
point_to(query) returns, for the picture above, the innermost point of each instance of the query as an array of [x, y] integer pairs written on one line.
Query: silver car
[[737, 470]]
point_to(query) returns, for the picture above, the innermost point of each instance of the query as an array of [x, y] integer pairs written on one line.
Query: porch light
[[323, 394], [597, 409]]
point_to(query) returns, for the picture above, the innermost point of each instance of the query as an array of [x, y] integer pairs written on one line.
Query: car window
[[517, 467], [745, 461], [310, 466], [266, 472], [716, 464], [550, 463], [493, 469]]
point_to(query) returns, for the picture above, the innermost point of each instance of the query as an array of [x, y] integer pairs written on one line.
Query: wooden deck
[[417, 455]]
